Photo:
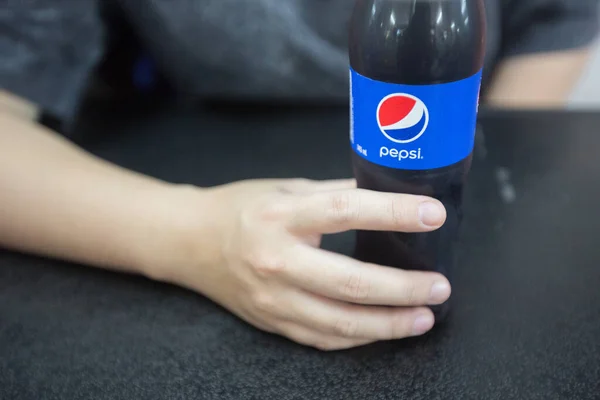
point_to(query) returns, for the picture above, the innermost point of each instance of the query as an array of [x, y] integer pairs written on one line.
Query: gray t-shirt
[[238, 48]]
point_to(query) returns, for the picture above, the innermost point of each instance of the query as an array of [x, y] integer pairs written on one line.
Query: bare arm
[[537, 81], [251, 246], [60, 201]]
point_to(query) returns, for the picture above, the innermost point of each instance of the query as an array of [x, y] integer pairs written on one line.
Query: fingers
[[313, 338], [342, 278], [349, 209], [339, 184], [352, 321], [303, 186]]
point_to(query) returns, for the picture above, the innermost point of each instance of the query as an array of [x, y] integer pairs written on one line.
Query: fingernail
[[423, 324], [440, 291], [431, 214]]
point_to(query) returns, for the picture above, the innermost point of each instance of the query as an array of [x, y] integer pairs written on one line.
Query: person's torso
[[260, 48]]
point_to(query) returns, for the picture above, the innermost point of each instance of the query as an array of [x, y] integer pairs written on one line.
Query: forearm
[[60, 201], [537, 81]]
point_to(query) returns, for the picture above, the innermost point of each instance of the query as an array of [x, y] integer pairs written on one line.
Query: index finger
[[343, 210]]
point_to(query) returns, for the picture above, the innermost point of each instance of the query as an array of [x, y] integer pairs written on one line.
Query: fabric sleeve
[[48, 48], [532, 26]]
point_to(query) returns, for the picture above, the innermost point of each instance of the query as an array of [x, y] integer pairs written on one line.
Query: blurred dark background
[[129, 72]]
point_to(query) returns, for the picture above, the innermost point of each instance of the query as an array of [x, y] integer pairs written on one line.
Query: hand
[[258, 255]]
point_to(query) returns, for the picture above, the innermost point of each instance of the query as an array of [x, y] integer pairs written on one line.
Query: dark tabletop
[[526, 301]]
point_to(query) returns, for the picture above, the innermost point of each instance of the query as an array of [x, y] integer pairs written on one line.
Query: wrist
[[183, 237]]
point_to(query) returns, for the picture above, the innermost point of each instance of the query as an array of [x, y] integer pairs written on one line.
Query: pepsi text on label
[[413, 127]]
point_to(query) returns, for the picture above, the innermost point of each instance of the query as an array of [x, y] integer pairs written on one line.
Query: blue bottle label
[[413, 127]]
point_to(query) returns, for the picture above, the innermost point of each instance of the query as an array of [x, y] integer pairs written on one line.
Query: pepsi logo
[[402, 118]]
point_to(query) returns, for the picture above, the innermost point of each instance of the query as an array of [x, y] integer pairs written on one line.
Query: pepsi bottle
[[415, 77]]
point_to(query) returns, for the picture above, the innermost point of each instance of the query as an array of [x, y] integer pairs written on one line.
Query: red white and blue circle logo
[[402, 118]]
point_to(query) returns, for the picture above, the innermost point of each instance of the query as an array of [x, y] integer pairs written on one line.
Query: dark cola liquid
[[416, 42]]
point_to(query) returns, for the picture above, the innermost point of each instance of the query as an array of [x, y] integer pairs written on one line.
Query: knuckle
[[291, 186], [272, 210], [264, 303], [411, 295], [247, 219], [346, 328], [400, 327], [356, 288], [399, 213], [343, 208], [266, 264]]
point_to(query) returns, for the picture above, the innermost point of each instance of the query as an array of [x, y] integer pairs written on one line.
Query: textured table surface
[[526, 303]]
